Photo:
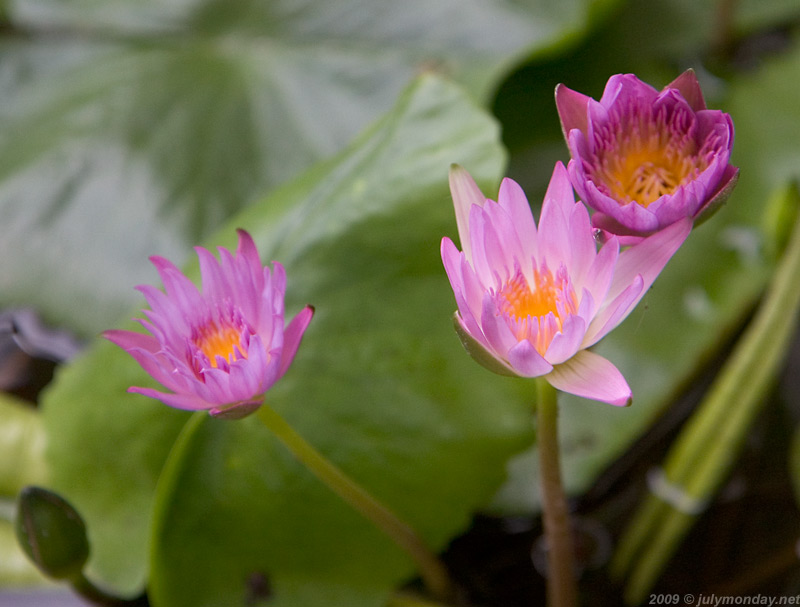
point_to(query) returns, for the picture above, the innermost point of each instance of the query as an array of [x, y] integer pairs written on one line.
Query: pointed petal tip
[[689, 88], [591, 376], [572, 109]]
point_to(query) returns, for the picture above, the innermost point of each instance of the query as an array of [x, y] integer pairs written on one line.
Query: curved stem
[[430, 567], [561, 586], [95, 595]]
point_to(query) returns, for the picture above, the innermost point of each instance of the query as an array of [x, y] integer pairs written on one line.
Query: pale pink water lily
[[222, 348], [644, 159], [531, 301]]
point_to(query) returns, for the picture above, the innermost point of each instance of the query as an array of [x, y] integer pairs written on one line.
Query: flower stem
[[429, 566], [93, 594], [561, 587]]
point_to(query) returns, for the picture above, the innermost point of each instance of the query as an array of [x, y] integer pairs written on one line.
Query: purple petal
[[567, 342], [292, 337], [591, 376], [179, 401], [129, 340], [571, 107], [494, 329], [689, 88], [182, 293], [247, 250], [215, 283], [527, 362], [624, 89]]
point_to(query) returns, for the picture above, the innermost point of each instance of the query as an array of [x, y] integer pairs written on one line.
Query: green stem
[[430, 567], [561, 587], [95, 595]]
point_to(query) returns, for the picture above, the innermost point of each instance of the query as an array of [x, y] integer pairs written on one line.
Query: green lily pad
[[141, 126]]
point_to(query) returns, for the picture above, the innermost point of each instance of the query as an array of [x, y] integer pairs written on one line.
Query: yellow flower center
[[521, 301], [645, 158], [537, 312], [214, 340]]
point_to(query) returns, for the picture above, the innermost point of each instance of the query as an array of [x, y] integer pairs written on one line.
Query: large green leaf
[[380, 385], [129, 128]]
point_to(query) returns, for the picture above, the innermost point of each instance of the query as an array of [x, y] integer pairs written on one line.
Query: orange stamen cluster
[[537, 312], [219, 340], [641, 157]]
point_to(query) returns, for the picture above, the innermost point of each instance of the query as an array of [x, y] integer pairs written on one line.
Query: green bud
[[51, 533]]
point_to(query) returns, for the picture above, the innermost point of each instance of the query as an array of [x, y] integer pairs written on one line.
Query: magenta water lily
[[531, 301], [222, 348], [644, 159]]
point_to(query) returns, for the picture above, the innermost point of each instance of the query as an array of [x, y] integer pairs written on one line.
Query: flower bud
[[51, 533]]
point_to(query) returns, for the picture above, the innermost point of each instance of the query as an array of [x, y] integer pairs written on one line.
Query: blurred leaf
[[131, 128], [767, 117], [15, 568], [22, 443], [750, 15], [381, 386]]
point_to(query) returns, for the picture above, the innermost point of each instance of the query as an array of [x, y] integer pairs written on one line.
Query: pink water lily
[[644, 159], [531, 301], [222, 348]]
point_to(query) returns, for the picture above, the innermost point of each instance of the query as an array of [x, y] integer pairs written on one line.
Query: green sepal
[[479, 353]]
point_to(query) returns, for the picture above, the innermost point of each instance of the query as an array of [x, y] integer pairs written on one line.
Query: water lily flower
[[222, 348], [644, 159], [531, 301]]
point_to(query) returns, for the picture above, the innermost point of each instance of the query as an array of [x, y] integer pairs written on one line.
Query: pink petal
[[571, 107], [527, 362], [614, 313], [495, 332], [567, 342], [179, 401], [648, 257], [488, 256], [465, 193], [513, 200], [182, 293], [248, 251], [501, 241], [468, 292], [591, 376], [215, 282], [584, 247], [128, 340], [292, 337], [554, 235], [601, 272]]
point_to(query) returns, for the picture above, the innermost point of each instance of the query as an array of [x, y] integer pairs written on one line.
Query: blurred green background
[[130, 128]]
